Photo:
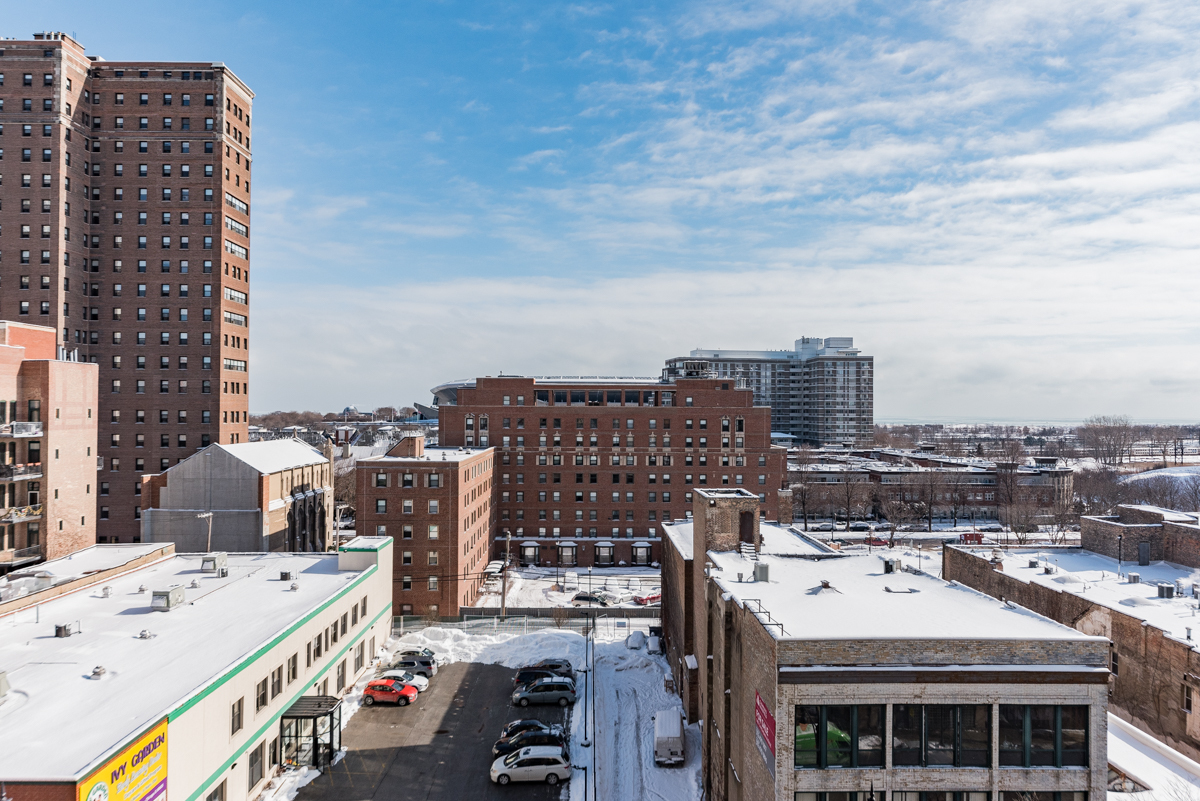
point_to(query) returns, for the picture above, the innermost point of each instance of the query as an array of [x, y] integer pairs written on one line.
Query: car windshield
[[511, 759]]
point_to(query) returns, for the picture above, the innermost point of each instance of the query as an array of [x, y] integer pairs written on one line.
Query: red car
[[875, 541], [650, 598], [389, 691]]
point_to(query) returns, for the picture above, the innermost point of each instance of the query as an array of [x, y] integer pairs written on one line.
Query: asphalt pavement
[[439, 748]]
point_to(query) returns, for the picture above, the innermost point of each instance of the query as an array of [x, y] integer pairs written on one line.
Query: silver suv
[[557, 690], [418, 665]]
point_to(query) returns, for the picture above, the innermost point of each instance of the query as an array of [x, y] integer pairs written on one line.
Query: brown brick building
[[437, 504], [124, 226], [588, 469], [47, 448]]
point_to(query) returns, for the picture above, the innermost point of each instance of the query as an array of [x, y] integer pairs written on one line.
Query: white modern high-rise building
[[821, 393]]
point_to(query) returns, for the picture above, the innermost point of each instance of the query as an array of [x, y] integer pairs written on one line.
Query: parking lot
[[438, 748]]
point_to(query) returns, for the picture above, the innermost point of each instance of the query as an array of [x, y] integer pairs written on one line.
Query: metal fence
[[524, 624]]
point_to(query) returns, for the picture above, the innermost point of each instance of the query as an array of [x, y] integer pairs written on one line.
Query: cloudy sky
[[996, 198]]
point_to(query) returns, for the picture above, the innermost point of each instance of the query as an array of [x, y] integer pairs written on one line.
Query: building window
[[236, 716], [941, 735], [256, 764], [839, 736], [381, 506], [433, 583], [433, 532], [1043, 736], [260, 695], [277, 681]]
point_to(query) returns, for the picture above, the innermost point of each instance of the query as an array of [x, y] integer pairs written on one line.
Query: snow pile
[[285, 786], [510, 650]]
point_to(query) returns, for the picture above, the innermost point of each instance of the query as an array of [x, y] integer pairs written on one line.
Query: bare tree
[[385, 413], [1190, 492], [1099, 492], [1110, 438], [850, 495], [929, 487], [892, 499], [804, 491], [955, 482]]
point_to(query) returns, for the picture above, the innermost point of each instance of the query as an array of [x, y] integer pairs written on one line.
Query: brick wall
[[1153, 669], [677, 623]]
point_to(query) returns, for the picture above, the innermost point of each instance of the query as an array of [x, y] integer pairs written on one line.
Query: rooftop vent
[[141, 589], [295, 586], [1166, 590], [145, 634], [222, 572], [65, 630], [1135, 578], [195, 585], [1033, 563], [285, 575], [106, 592], [761, 572], [166, 600], [213, 562], [98, 672], [1048, 569]]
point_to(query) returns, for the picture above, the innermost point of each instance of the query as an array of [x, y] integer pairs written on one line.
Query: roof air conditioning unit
[[166, 600], [64, 630], [213, 562], [222, 572], [761, 572], [889, 566], [285, 575], [1166, 590], [1033, 563], [1135, 578]]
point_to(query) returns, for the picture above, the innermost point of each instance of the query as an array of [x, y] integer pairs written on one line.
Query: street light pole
[[207, 516]]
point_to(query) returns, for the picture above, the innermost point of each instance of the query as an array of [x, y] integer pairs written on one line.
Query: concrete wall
[[1153, 667], [1169, 541]]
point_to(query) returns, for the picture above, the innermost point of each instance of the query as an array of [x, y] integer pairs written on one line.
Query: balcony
[[20, 514], [20, 472], [21, 556], [14, 430]]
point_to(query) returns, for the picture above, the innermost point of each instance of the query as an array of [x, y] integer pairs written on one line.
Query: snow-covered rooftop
[[271, 456], [864, 603], [1165, 772], [94, 559], [145, 678], [1093, 576], [776, 540], [431, 455]]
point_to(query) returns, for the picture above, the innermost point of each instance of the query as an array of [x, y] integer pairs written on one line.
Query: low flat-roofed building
[[1149, 612], [38, 583], [180, 676], [1141, 768], [274, 495], [828, 678]]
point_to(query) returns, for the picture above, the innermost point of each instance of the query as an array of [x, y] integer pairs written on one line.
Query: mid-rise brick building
[[48, 480], [588, 470], [839, 679], [119, 171], [437, 504]]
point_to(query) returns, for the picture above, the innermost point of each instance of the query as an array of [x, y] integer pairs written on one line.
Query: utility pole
[[504, 577], [207, 516]]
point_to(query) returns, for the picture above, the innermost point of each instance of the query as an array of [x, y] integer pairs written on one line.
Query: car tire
[[563, 702], [368, 701], [402, 702], [502, 779], [524, 702], [552, 779]]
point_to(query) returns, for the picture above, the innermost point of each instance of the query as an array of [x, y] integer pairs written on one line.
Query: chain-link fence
[[612, 624]]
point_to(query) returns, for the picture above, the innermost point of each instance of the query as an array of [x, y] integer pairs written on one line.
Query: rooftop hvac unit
[[1033, 563], [762, 572], [285, 575], [1135, 578], [213, 562], [222, 572], [1166, 590], [166, 600], [64, 630], [889, 566], [1048, 569]]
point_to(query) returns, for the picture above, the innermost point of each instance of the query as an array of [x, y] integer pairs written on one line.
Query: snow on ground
[[630, 689], [539, 586], [286, 785]]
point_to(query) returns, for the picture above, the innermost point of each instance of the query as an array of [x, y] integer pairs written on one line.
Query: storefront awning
[[604, 545], [641, 545], [567, 545], [531, 543]]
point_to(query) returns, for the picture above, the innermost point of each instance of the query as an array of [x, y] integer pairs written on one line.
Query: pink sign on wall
[[764, 734]]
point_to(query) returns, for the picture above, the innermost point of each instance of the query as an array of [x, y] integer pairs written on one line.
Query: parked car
[[560, 666], [420, 682], [558, 690], [635, 640], [420, 666], [616, 597], [424, 652], [530, 675], [588, 599], [875, 541], [652, 597], [883, 525], [538, 763], [859, 526], [525, 739], [821, 527], [526, 724], [653, 644], [838, 541], [992, 529], [388, 691], [668, 737]]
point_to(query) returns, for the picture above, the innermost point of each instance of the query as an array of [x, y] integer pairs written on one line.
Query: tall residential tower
[[821, 393], [124, 225]]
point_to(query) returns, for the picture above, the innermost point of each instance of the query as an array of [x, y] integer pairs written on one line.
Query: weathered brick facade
[[1169, 536]]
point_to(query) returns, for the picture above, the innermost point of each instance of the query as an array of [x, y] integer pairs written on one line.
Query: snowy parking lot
[[531, 587]]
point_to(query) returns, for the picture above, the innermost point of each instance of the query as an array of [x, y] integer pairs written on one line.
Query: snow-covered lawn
[[630, 689]]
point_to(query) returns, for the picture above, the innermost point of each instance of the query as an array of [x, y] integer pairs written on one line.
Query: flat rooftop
[[1093, 576], [94, 559], [861, 602], [1165, 772], [431, 455], [189, 646], [777, 540]]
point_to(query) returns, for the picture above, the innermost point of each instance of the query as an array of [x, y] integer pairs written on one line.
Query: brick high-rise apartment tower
[[124, 225]]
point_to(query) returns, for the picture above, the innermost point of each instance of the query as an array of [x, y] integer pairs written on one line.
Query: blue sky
[[996, 199]]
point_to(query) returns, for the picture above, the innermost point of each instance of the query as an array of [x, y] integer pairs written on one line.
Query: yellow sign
[[139, 773]]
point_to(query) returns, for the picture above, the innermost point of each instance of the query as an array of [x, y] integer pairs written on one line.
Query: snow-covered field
[[630, 689], [537, 586]]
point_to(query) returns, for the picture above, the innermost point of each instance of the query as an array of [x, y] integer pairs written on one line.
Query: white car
[[616, 597], [537, 763], [420, 682]]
